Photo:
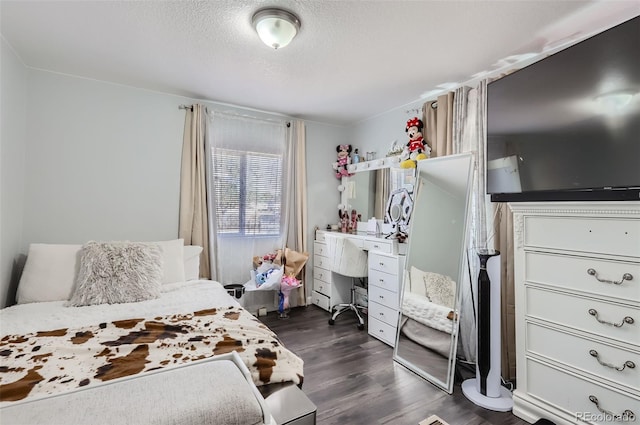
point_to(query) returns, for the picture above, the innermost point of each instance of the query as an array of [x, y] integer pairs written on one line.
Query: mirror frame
[[448, 384]]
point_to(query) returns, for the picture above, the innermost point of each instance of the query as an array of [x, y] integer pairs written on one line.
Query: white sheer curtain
[[247, 170], [469, 135]]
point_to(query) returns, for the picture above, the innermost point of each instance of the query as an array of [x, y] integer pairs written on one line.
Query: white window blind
[[248, 192]]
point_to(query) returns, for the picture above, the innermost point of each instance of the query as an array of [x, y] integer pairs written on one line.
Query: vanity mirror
[[368, 189], [427, 335]]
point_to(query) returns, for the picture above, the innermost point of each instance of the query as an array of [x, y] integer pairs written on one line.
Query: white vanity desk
[[385, 271]]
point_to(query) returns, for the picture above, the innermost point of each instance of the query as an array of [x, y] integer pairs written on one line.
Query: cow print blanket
[[42, 363]]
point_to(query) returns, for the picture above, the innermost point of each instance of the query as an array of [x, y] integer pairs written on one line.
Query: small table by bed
[[290, 406]]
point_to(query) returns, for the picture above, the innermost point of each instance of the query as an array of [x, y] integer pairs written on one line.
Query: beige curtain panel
[[193, 225], [297, 203], [438, 121]]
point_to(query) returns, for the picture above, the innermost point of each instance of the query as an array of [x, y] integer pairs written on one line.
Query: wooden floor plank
[[352, 378]]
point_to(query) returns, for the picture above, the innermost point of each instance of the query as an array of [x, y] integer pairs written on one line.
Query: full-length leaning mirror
[[430, 302]]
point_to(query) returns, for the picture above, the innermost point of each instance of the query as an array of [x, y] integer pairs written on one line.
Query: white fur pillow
[[117, 272], [440, 289]]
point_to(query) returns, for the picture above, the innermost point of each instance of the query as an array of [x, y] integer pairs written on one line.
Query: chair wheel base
[[332, 322], [361, 327]]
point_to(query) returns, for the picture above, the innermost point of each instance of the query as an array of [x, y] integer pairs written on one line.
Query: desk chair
[[337, 310], [349, 260]]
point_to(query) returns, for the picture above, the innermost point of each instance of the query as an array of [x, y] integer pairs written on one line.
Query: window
[[248, 192]]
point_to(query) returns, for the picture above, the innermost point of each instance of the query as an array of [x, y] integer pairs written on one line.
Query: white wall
[[13, 92], [378, 133], [103, 161]]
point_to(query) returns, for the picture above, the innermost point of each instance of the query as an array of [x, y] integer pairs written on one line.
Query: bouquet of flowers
[[287, 284]]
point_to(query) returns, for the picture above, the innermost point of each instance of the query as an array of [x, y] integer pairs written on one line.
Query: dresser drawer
[[383, 313], [383, 331], [571, 394], [584, 354], [322, 287], [322, 262], [322, 274], [384, 280], [320, 249], [612, 236], [320, 300], [378, 246], [573, 311], [573, 273], [383, 263], [320, 236], [384, 297]]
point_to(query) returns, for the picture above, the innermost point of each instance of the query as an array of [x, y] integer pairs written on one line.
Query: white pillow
[[172, 260], [417, 282], [192, 262], [49, 273]]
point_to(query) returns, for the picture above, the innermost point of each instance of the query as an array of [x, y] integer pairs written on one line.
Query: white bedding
[[420, 309], [183, 296], [190, 321]]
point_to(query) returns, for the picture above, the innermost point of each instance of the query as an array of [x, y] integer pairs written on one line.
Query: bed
[[51, 350], [428, 309]]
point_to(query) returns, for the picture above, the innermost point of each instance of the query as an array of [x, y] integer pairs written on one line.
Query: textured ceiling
[[352, 59]]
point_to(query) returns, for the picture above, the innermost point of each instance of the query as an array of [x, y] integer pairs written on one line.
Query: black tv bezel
[[628, 194]]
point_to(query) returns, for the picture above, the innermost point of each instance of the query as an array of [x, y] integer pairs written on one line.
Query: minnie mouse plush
[[416, 149], [344, 159]]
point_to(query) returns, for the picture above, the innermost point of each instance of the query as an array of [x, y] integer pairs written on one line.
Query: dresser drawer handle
[[628, 320], [627, 415], [628, 363], [594, 273]]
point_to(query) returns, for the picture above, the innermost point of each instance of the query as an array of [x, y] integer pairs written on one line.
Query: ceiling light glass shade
[[276, 27]]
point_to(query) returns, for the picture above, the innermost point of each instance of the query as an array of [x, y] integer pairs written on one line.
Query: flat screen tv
[[568, 126]]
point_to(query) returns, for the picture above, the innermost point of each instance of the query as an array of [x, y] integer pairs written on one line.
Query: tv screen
[[568, 126]]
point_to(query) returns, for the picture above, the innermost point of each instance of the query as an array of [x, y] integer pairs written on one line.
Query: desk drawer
[[383, 331], [584, 354], [383, 313], [383, 263], [383, 280], [322, 287], [320, 300], [612, 236], [320, 249], [572, 394], [573, 311], [378, 246], [384, 297], [568, 272], [322, 262], [322, 274]]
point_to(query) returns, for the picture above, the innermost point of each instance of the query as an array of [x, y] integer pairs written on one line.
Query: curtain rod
[[234, 114]]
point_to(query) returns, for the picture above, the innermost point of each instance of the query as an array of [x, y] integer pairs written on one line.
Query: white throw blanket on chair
[[345, 257]]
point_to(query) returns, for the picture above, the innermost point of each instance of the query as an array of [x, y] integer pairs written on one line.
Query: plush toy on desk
[[344, 159], [416, 149]]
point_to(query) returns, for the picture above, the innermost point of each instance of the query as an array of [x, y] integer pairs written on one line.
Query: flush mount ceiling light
[[276, 27]]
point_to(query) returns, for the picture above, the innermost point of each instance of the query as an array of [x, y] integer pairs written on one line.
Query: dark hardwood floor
[[352, 379]]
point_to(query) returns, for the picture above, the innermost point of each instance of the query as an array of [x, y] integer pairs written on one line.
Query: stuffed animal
[[416, 149], [344, 159]]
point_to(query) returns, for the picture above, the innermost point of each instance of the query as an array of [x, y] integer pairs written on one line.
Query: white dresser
[[577, 288], [385, 277], [385, 271]]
